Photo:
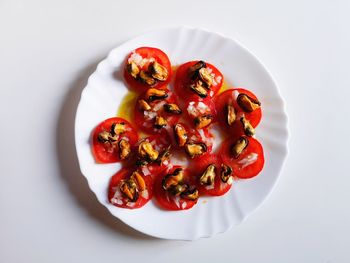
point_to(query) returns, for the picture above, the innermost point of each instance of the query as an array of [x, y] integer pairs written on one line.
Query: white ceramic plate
[[101, 99]]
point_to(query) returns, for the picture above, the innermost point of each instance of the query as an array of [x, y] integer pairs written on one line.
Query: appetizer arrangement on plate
[[189, 136], [163, 125]]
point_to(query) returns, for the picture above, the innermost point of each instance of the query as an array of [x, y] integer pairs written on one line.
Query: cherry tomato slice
[[249, 163], [143, 56], [117, 198], [168, 201], [229, 97], [160, 143], [201, 136], [108, 152], [200, 111], [183, 81], [200, 165], [193, 135], [145, 119]]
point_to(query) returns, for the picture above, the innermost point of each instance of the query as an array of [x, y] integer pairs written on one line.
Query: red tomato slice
[[229, 97], [143, 56], [160, 143], [145, 120], [200, 165], [194, 135], [204, 136], [117, 198], [109, 152], [249, 163], [168, 201], [198, 109], [183, 81]]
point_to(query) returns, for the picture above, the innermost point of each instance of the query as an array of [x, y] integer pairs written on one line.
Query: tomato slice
[[229, 97], [249, 163], [219, 187], [145, 119], [168, 201], [117, 198], [201, 136], [142, 57], [200, 112], [193, 135], [108, 151], [183, 81], [160, 143]]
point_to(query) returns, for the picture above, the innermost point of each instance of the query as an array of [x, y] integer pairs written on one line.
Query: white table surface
[[47, 51]]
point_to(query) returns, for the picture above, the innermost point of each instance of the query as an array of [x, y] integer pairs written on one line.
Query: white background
[[48, 50]]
